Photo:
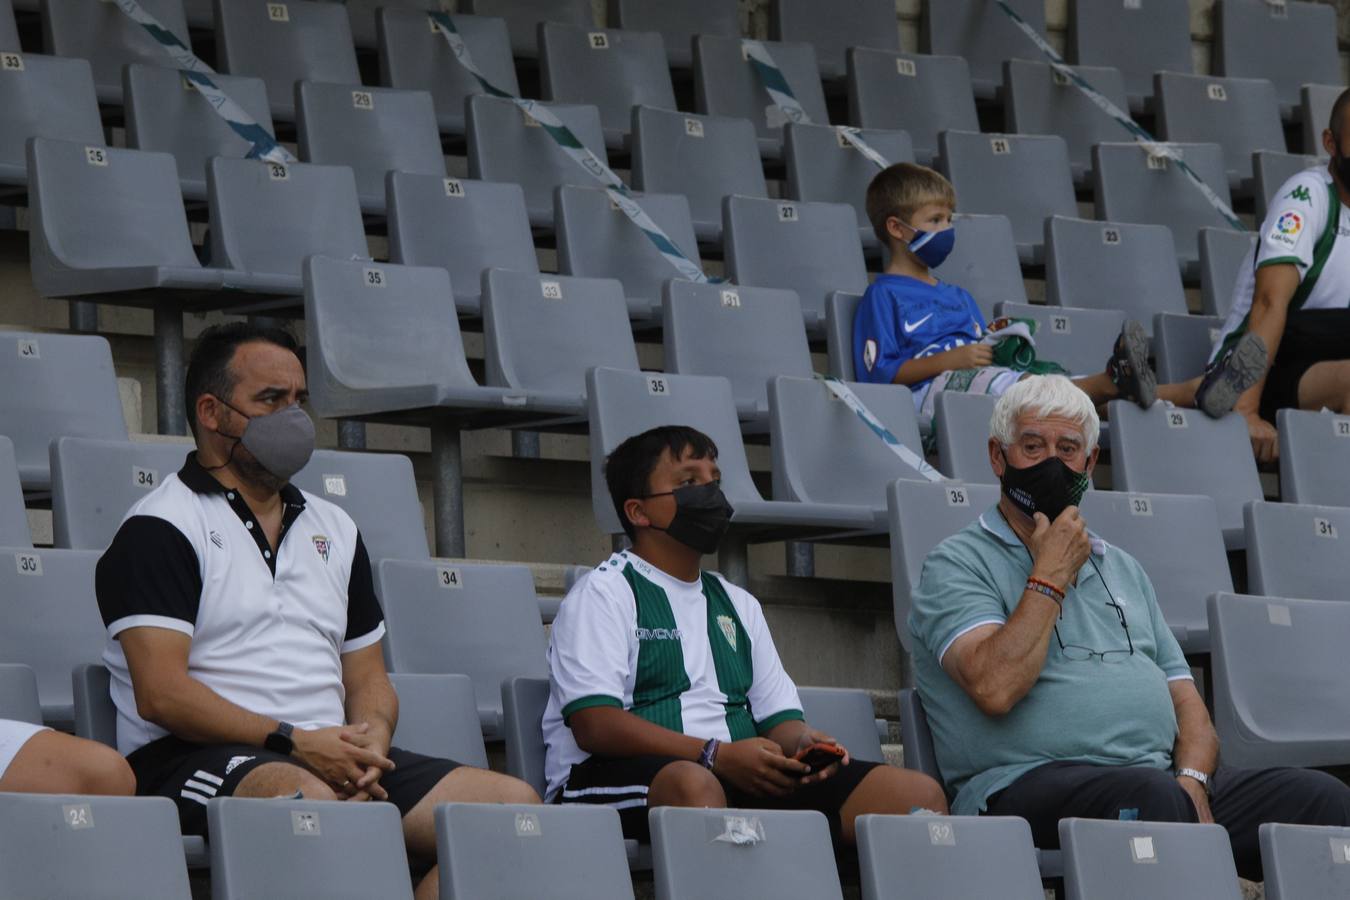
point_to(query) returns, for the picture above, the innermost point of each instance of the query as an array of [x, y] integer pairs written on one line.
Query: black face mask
[[702, 516], [1342, 164], [1047, 487]]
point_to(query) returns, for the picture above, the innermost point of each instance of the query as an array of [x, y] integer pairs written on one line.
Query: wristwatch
[[280, 740], [1197, 775]]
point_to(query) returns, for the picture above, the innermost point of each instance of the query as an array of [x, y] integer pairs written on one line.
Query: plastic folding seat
[[811, 432], [823, 167], [812, 248], [1313, 451], [597, 240], [95, 714], [923, 95], [834, 29], [747, 335], [476, 620], [845, 714], [1294, 859], [981, 33], [1295, 550], [55, 845], [921, 516], [1223, 252], [920, 756], [1131, 186], [1182, 451], [285, 43], [257, 844], [1241, 115], [363, 17], [1271, 170], [961, 423], [13, 518], [1137, 39], [1040, 101], [109, 39], [200, 13], [1182, 345], [9, 31], [523, 18], [781, 852], [49, 97], [706, 158], [1112, 265], [53, 622], [19, 694], [541, 333], [984, 262], [1315, 111], [1078, 339], [677, 23], [1111, 860], [726, 84], [96, 480], [460, 225], [524, 700], [613, 70], [840, 309], [1026, 178], [165, 115], [505, 146], [413, 57], [438, 716], [372, 130], [568, 852], [1292, 45], [379, 492], [938, 857]]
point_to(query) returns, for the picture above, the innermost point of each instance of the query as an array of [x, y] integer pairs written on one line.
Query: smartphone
[[820, 756]]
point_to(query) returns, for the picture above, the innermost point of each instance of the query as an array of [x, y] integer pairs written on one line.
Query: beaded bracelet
[[1049, 590]]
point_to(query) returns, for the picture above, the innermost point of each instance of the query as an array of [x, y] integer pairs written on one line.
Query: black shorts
[[191, 774], [1310, 337], [623, 783]]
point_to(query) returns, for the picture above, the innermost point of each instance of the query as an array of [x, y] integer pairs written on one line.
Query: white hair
[[1043, 396]]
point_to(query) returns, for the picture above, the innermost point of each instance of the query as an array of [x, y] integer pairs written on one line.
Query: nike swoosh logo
[[911, 327]]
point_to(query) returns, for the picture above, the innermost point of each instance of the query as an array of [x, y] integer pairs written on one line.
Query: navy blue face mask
[[933, 247]]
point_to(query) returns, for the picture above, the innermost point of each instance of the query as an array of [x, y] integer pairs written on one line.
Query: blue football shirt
[[902, 318]]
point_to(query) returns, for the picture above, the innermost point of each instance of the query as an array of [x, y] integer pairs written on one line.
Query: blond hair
[[901, 190]]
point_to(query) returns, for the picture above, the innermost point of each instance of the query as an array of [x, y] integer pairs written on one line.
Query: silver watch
[[1197, 775]]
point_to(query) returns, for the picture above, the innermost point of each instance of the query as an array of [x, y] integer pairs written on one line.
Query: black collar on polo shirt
[[200, 481]]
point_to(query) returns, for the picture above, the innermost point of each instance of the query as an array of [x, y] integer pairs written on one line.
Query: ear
[[209, 412], [997, 462], [1329, 143], [895, 228], [1092, 460], [636, 514]]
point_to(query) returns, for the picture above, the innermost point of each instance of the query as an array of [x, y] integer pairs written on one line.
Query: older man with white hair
[[1053, 686]]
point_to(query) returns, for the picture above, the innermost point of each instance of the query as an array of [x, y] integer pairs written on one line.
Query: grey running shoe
[[1228, 377], [1128, 366]]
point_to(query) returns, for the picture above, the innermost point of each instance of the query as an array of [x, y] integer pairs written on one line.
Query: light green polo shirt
[[1107, 714]]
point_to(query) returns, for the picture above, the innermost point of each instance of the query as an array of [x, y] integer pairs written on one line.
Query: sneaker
[[1128, 366], [1228, 377]]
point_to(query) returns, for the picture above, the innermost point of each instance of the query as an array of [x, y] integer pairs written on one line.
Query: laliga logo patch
[[870, 354], [322, 545], [728, 627], [1287, 229]]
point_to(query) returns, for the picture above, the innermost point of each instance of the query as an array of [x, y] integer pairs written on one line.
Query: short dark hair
[[209, 369], [1337, 118], [628, 470]]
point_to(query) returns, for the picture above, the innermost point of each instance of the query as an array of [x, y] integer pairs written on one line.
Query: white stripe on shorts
[[207, 789], [192, 795], [207, 776], [597, 791]]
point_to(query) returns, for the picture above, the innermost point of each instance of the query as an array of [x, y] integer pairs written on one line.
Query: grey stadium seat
[[1150, 527], [55, 385], [95, 714], [379, 492], [845, 714], [1317, 100], [373, 130], [51, 97], [9, 32], [1296, 551], [285, 43], [791, 856], [523, 703], [1080, 340], [163, 114], [438, 716], [1314, 447], [1182, 345], [1222, 252], [1130, 186], [1294, 860], [54, 622], [524, 16], [108, 38], [476, 620], [1176, 451], [413, 57], [1292, 45], [1112, 265], [840, 309], [54, 845], [1040, 101], [613, 70], [257, 844], [96, 480], [835, 28], [961, 423], [821, 167], [677, 23], [19, 694], [596, 239], [1137, 39], [923, 95], [979, 31], [984, 262], [1274, 704], [747, 335], [705, 158], [939, 857], [363, 16], [504, 147], [463, 226], [725, 84], [1026, 178], [1241, 115], [1272, 169], [812, 248], [13, 518], [811, 431], [1108, 860], [568, 852], [923, 515], [920, 756]]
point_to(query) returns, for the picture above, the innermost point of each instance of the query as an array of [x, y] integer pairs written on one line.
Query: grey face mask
[[282, 442]]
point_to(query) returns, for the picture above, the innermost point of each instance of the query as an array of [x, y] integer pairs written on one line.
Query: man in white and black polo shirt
[[244, 632]]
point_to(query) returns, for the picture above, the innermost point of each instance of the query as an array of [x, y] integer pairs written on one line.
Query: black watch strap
[[280, 741]]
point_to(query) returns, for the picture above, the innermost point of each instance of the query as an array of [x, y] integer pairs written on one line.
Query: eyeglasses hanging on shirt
[[1079, 653]]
